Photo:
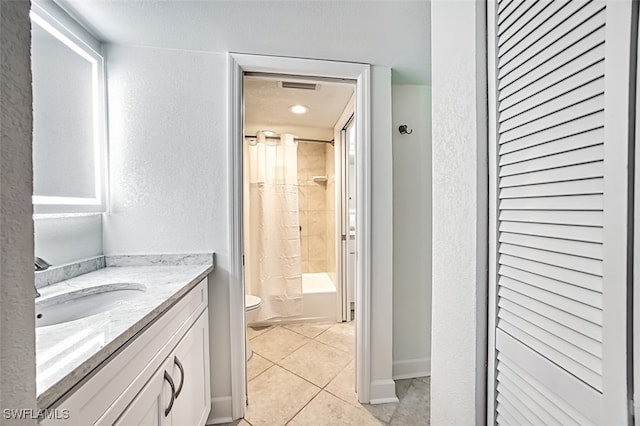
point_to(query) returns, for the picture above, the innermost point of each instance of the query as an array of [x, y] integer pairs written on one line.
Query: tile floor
[[303, 374]]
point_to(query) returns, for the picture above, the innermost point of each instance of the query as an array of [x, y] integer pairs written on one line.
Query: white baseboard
[[412, 368], [221, 410], [383, 391]]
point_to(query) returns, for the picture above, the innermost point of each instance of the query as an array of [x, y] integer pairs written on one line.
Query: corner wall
[[169, 174], [411, 232], [458, 357], [17, 316]]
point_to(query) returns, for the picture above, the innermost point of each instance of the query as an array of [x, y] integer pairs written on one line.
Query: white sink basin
[[86, 302]]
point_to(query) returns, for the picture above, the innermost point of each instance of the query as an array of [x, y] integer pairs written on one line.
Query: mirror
[[68, 118]]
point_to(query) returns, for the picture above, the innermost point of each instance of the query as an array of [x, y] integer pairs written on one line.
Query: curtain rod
[[295, 139]]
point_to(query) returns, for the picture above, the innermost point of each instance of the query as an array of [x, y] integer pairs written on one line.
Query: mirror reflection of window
[[68, 119]]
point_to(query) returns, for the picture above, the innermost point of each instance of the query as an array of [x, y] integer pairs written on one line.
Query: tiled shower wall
[[312, 204]]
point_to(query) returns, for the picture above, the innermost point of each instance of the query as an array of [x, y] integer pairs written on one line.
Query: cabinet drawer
[[105, 394]]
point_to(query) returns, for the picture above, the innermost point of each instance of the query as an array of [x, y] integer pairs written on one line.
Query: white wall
[[17, 316], [60, 240], [168, 167], [411, 232], [459, 213]]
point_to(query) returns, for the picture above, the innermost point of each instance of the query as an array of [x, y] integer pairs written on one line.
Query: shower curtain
[[272, 227]]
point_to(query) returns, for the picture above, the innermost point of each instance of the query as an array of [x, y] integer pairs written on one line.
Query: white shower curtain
[[272, 228]]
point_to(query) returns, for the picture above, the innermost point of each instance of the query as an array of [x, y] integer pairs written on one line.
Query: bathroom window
[[69, 151]]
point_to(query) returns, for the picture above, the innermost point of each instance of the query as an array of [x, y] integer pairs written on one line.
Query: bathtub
[[319, 301], [318, 297]]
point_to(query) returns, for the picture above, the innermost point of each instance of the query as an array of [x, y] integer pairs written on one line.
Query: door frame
[[239, 64]]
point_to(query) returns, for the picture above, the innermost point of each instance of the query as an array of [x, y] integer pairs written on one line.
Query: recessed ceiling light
[[268, 132], [299, 109]]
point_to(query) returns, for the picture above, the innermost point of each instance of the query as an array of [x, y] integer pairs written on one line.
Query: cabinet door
[[189, 366], [148, 407]]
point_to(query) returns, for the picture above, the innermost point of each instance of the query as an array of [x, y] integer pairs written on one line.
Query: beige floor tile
[[316, 362], [344, 384], [326, 409], [257, 365], [276, 395], [341, 336], [255, 332], [309, 329], [277, 343]]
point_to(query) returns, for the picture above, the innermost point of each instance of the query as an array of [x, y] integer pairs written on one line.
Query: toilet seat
[[251, 302]]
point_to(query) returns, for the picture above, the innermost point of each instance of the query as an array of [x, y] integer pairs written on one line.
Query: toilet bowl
[[251, 307]]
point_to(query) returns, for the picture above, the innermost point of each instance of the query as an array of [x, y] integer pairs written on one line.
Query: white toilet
[[251, 307]]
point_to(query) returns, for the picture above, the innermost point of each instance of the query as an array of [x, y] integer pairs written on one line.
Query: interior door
[[559, 138]]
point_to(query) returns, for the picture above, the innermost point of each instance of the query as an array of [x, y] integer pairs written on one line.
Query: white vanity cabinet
[[176, 394], [131, 388]]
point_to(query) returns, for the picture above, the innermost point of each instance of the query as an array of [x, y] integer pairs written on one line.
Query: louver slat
[[577, 218], [575, 202], [555, 245], [527, 97], [532, 393], [528, 416], [527, 23], [574, 233], [569, 143], [536, 18], [559, 330], [558, 273], [587, 18], [542, 411], [506, 4], [583, 108], [573, 322], [552, 72], [578, 156], [579, 187], [512, 16], [578, 309], [569, 173], [569, 291], [575, 263], [588, 90]]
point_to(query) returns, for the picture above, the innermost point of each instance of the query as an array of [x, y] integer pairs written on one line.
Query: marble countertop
[[67, 352]]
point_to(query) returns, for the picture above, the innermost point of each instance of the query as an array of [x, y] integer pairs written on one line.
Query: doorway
[[318, 70]]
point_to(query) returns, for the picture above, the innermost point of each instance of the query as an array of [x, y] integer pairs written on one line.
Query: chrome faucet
[[40, 265]]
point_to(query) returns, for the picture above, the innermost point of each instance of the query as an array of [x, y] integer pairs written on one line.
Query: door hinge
[[344, 237]]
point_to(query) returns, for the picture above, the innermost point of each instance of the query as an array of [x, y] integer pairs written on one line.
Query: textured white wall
[[459, 213], [60, 240], [168, 169], [17, 318], [411, 232]]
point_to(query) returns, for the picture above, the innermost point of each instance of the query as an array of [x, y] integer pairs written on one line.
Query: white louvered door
[[559, 74]]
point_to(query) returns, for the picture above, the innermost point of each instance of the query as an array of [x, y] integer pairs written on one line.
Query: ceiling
[[266, 106], [392, 33]]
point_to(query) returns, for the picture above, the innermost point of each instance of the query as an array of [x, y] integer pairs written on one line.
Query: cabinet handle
[[169, 380], [177, 362]]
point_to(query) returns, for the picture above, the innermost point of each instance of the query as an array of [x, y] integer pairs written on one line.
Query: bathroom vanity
[[142, 362]]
